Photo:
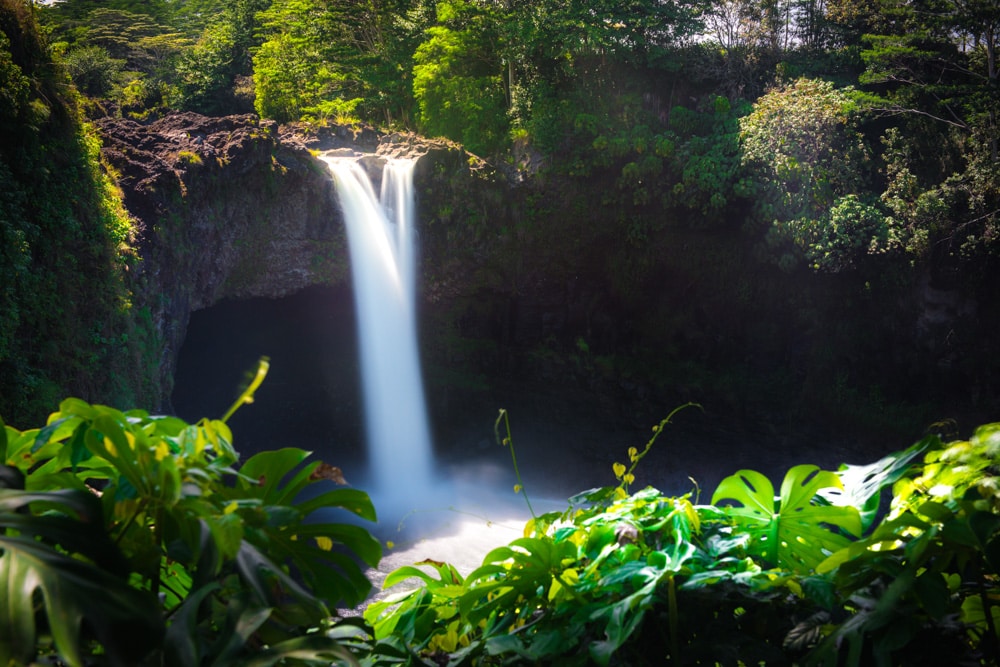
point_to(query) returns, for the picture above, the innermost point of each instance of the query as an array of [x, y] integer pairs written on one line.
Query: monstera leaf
[[792, 531], [862, 485], [62, 565]]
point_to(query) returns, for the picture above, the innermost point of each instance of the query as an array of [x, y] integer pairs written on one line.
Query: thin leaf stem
[[263, 364], [991, 631], [657, 430], [675, 657], [140, 508], [509, 441], [155, 583]]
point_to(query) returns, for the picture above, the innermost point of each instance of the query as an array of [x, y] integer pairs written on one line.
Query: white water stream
[[382, 240]]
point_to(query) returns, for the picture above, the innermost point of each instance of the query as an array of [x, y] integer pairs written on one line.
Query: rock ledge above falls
[[238, 207]]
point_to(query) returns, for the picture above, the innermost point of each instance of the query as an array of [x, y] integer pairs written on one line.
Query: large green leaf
[[296, 534], [353, 500], [82, 585], [267, 474], [621, 619], [187, 531], [314, 649], [862, 484], [74, 594], [525, 569], [272, 586], [184, 645], [791, 531]]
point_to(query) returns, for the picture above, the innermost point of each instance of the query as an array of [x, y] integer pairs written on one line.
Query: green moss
[[188, 157], [329, 263]]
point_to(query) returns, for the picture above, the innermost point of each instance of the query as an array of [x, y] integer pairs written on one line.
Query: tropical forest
[[499, 332]]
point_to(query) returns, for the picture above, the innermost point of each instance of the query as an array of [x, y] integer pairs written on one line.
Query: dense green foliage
[[66, 323], [194, 558], [456, 83], [815, 575], [808, 159], [189, 556], [616, 87]]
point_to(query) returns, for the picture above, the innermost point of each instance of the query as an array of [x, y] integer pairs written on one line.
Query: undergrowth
[[131, 539], [67, 256], [194, 558], [895, 562]]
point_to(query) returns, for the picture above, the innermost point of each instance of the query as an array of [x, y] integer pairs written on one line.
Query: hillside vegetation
[[66, 318]]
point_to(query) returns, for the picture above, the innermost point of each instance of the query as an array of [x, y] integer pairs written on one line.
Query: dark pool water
[[566, 440]]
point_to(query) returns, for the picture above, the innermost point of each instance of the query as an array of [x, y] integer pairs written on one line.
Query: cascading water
[[381, 238]]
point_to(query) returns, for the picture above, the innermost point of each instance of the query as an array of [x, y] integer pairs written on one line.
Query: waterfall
[[381, 238]]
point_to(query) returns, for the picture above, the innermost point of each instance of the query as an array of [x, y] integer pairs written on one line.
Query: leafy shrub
[[189, 158], [289, 80], [187, 557], [93, 70], [837, 240], [66, 323], [458, 97], [337, 110], [815, 575], [805, 156]]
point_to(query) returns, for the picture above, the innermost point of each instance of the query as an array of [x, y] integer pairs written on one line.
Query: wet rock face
[[223, 208], [238, 207]]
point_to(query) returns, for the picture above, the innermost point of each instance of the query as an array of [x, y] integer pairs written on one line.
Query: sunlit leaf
[[974, 616], [268, 470], [861, 485], [312, 648], [790, 531], [807, 633]]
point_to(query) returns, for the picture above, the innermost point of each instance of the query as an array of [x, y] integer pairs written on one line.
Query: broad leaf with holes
[[863, 484], [792, 531], [526, 570], [239, 558]]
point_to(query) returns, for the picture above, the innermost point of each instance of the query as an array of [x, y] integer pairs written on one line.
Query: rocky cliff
[[540, 284], [237, 207]]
